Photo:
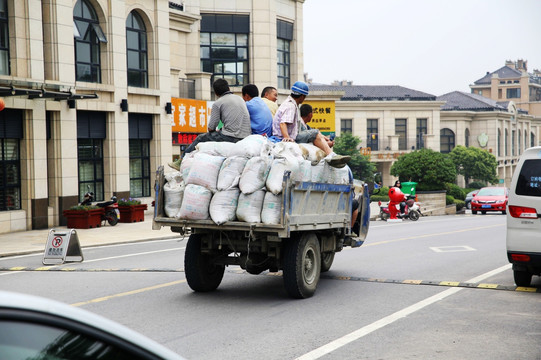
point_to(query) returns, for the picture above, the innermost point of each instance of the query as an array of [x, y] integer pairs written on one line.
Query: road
[[440, 288]]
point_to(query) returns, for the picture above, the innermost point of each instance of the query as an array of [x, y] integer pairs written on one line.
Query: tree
[[474, 163], [360, 165], [430, 169]]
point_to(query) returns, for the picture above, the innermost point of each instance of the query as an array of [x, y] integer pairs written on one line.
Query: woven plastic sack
[[318, 172], [230, 172], [255, 174], [220, 148], [205, 170], [276, 173], [195, 203], [249, 206], [173, 192], [223, 206], [250, 146], [272, 206], [312, 153], [305, 170], [338, 176], [186, 164], [287, 150]]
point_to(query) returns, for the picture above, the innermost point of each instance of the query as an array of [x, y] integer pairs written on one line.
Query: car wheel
[[504, 212], [468, 206], [474, 212], [522, 278]]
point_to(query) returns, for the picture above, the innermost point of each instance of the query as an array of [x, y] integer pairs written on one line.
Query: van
[[524, 218]]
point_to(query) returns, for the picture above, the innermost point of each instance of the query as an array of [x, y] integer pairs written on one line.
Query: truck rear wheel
[[201, 274], [326, 261], [302, 266]]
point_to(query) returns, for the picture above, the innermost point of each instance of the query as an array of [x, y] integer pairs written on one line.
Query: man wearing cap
[[286, 123]]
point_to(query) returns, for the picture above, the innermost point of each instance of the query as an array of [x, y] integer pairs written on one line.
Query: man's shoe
[[338, 161], [353, 241], [175, 164]]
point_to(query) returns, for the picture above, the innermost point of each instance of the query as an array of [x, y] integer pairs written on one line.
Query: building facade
[[87, 87]]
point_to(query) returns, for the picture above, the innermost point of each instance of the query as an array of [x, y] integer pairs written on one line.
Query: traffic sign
[[61, 247]]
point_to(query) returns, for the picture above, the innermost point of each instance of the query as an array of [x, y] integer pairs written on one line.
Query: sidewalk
[[33, 241]]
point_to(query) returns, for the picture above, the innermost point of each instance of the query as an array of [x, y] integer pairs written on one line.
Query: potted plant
[[83, 216], [131, 210]]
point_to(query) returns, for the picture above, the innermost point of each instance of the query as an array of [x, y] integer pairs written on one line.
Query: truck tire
[[326, 261], [522, 278], [201, 274], [302, 266]]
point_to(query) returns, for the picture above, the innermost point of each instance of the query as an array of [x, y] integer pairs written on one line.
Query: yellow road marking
[[415, 282], [526, 289], [449, 283], [487, 286], [17, 268], [127, 293]]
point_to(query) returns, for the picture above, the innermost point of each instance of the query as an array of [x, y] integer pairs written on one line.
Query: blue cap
[[299, 88]]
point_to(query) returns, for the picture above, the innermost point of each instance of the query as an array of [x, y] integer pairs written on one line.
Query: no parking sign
[[62, 246]]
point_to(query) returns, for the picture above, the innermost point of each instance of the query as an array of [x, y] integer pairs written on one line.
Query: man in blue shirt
[[260, 114]]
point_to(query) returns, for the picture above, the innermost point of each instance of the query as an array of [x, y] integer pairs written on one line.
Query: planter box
[[133, 213], [78, 219]]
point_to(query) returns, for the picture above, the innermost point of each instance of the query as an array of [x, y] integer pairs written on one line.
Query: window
[[519, 142], [346, 126], [528, 183], [532, 139], [88, 36], [499, 142], [467, 137], [11, 131], [447, 141], [513, 143], [400, 129], [525, 139], [285, 35], [513, 93], [372, 134], [506, 142], [90, 135], [136, 51], [421, 132], [4, 38], [224, 47], [140, 134]]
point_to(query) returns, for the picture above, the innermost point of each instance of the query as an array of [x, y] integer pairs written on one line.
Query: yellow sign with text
[[323, 116], [189, 116]]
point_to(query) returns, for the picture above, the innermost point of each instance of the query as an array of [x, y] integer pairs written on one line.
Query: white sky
[[434, 46]]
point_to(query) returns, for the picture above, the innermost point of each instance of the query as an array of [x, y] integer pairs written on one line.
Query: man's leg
[[334, 160]]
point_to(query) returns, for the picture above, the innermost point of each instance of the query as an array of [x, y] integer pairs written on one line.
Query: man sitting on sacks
[[231, 110], [260, 114], [285, 126]]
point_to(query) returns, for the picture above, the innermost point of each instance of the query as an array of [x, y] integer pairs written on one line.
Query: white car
[[524, 218], [32, 327]]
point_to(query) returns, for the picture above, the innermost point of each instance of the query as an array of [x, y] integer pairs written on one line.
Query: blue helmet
[[299, 88]]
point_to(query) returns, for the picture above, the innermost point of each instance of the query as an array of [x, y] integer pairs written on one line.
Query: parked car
[[524, 218], [32, 327], [469, 198], [490, 198]]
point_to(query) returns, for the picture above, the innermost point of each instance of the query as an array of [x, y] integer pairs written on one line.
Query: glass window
[[346, 125], [284, 64], [529, 180], [506, 142], [499, 142], [467, 137], [513, 93], [513, 143], [372, 134], [422, 129], [532, 139], [90, 158], [400, 129], [4, 39], [87, 42], [136, 52], [519, 142], [10, 175], [139, 167], [447, 141]]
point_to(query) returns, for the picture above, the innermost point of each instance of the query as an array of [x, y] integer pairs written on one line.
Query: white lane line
[[130, 255], [357, 334]]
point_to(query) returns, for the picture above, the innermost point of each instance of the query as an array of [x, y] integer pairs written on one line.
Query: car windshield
[[491, 192]]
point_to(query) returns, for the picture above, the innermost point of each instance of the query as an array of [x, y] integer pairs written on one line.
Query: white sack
[[271, 211], [195, 203], [186, 164], [173, 177], [338, 176], [230, 172], [276, 173], [255, 174], [223, 206], [249, 206], [305, 170], [250, 146], [286, 149], [318, 172], [216, 148], [312, 153], [205, 170], [172, 197]]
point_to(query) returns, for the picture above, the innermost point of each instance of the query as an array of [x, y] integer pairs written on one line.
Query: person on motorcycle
[[402, 203]]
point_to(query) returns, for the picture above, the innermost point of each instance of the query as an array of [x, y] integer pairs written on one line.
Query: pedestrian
[[269, 95], [285, 125], [260, 114], [231, 110]]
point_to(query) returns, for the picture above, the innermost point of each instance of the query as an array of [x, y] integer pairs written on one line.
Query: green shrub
[[477, 184], [455, 191], [382, 198], [128, 202], [459, 204], [84, 207], [449, 200]]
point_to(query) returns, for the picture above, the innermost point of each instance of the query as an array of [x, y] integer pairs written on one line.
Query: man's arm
[[214, 118], [285, 134]]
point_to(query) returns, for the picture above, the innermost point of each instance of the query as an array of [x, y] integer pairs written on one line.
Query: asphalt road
[[439, 288]]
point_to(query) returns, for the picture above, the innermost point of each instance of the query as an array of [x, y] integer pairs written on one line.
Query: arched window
[[88, 35], [447, 141], [467, 137], [506, 142], [499, 142], [136, 51]]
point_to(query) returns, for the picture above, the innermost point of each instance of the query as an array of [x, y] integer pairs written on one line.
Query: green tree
[[430, 169], [474, 163], [360, 165]]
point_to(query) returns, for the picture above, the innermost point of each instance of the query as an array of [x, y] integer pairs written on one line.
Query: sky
[[433, 46]]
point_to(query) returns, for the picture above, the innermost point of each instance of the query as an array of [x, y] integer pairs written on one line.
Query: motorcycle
[[412, 210], [111, 214]]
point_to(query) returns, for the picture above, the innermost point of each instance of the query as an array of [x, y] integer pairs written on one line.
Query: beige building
[[87, 86]]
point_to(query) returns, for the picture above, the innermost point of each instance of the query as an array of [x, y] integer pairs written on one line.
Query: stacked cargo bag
[[223, 148], [230, 172], [186, 164], [312, 153], [338, 175], [276, 173], [251, 146], [250, 205], [272, 208], [254, 175], [195, 203], [319, 173], [305, 170], [205, 171], [173, 191], [223, 206]]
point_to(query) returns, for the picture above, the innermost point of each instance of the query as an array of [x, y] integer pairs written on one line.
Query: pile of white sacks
[[242, 181]]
